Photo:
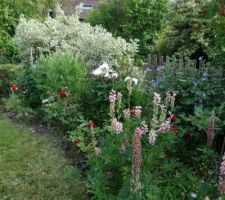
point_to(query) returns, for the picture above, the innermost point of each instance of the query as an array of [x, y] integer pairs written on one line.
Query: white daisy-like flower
[[104, 67], [105, 71], [106, 75], [97, 72]]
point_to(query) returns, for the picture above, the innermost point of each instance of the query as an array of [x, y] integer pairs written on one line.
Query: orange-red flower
[[174, 129], [91, 124], [14, 88], [173, 117], [63, 94]]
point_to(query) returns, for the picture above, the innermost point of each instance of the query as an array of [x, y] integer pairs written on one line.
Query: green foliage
[[167, 169], [42, 86], [199, 92], [95, 102], [185, 29], [194, 29], [194, 86], [8, 74], [164, 175], [8, 50], [61, 87], [215, 30], [10, 13], [132, 19], [16, 108]]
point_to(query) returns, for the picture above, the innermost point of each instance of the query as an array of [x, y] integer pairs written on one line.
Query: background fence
[[156, 62]]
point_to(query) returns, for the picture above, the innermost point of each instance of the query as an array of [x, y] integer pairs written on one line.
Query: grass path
[[32, 168]]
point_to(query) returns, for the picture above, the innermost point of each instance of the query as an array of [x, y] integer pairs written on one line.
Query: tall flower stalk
[[136, 164], [112, 100], [130, 83], [156, 104], [221, 185], [159, 123], [115, 97]]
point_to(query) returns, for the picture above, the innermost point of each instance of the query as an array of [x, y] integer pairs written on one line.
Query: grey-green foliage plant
[[93, 44], [132, 19]]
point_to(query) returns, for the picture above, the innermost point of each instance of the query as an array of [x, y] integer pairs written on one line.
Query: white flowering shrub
[[94, 44]]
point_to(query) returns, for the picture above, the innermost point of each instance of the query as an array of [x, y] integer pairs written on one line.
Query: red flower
[[14, 87], [187, 135], [174, 129], [63, 94], [77, 142], [173, 117], [91, 124]]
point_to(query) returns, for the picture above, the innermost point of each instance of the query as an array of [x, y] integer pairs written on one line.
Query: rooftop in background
[[87, 6]]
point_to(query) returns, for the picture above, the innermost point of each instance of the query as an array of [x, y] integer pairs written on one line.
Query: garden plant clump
[[134, 132], [94, 44]]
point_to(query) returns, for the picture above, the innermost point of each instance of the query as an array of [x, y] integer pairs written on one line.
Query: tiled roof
[[70, 5]]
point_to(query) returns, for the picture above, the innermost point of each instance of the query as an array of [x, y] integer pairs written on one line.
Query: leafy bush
[[215, 29], [132, 19], [10, 12], [185, 31], [16, 108], [199, 92], [55, 85], [195, 87], [95, 102], [95, 45], [8, 74], [194, 29], [8, 50]]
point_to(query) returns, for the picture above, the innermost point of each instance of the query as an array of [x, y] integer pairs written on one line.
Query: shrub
[[10, 12], [195, 87], [94, 44], [195, 28], [55, 85], [199, 92], [8, 74], [141, 20], [60, 84], [8, 50]]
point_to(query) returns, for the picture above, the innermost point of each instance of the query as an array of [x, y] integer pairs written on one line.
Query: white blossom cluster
[[94, 44], [105, 71]]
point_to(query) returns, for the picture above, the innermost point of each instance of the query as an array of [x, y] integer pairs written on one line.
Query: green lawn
[[32, 168]]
